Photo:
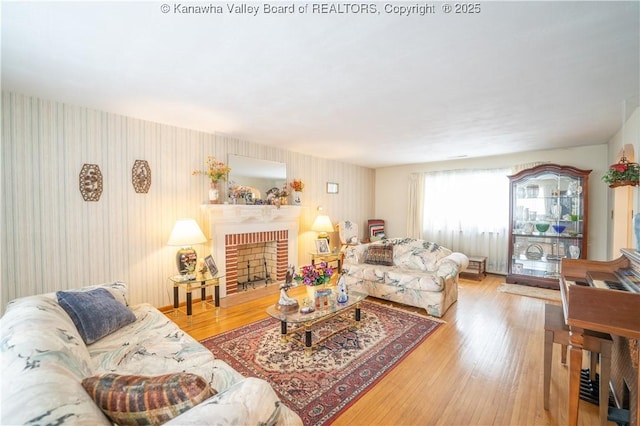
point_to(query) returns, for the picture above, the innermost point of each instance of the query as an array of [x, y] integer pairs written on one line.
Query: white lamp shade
[[322, 224], [186, 232]]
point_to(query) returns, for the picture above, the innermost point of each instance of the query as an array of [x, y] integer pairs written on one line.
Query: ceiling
[[375, 89]]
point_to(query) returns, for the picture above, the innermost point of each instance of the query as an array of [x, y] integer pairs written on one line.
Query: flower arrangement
[[297, 185], [314, 275], [622, 173], [216, 170]]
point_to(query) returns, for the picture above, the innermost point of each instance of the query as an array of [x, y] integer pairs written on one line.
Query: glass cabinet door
[[548, 222]]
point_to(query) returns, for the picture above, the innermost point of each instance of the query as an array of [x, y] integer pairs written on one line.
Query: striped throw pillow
[[140, 400], [380, 255]]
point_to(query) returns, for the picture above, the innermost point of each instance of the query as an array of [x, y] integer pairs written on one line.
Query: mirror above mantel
[[256, 174]]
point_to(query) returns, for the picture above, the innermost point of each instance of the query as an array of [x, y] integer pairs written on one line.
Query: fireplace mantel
[[237, 213], [229, 219]]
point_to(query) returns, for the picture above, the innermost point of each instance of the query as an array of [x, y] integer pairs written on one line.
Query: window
[[468, 211]]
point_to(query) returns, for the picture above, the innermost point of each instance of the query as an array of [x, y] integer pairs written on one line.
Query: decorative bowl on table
[[542, 227], [559, 228]]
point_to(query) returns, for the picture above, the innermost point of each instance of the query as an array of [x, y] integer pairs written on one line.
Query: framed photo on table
[[322, 246], [211, 265]]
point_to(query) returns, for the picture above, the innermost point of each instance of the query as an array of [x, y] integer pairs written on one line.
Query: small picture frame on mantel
[[332, 188]]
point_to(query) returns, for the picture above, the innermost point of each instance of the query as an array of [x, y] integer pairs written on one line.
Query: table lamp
[[186, 232], [322, 225]]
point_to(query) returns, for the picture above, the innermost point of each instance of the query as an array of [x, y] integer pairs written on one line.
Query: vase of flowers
[[297, 186], [214, 194], [216, 171], [315, 277], [622, 173]]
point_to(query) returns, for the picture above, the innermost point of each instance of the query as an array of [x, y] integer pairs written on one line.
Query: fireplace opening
[[256, 264], [255, 260]]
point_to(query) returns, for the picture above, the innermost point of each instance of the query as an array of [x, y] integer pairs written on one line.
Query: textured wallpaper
[[52, 239]]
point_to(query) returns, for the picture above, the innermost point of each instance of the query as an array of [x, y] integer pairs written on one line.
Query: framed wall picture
[[322, 246], [332, 188], [211, 265]]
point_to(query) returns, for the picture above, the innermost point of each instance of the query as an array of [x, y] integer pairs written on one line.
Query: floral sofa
[[50, 375], [405, 270]]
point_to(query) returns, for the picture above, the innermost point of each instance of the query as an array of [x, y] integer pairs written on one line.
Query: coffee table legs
[[307, 340], [283, 331]]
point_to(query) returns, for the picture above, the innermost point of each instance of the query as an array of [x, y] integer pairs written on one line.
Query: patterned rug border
[[332, 401]]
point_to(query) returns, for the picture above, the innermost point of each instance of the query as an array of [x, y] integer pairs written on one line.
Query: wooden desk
[[608, 311]]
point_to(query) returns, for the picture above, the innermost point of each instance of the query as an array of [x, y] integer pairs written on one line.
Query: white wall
[[394, 180], [52, 239], [623, 202]]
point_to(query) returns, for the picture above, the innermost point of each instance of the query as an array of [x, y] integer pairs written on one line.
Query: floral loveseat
[[48, 369], [405, 270]]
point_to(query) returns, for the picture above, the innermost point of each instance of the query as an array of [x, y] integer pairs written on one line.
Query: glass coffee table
[[303, 325]]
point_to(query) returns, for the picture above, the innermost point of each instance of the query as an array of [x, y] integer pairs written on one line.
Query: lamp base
[[323, 235], [186, 260]]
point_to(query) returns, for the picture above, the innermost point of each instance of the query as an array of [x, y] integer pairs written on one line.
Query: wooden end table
[[477, 267], [327, 257]]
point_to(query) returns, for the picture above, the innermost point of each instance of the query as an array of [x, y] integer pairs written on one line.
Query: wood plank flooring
[[483, 367]]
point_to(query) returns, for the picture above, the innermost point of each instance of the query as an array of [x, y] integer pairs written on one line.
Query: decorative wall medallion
[[90, 182], [141, 176]]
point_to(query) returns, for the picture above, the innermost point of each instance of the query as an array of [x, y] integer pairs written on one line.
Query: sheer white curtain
[[468, 211], [415, 210]]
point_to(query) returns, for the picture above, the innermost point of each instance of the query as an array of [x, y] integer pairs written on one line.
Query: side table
[[477, 267], [189, 284], [327, 257]]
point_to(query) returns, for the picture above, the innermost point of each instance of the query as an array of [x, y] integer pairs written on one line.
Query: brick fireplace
[[270, 247], [232, 227]]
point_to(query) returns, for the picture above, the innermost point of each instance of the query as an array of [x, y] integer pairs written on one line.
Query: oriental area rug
[[339, 371]]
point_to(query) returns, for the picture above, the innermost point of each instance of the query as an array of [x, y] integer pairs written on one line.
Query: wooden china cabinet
[[548, 219]]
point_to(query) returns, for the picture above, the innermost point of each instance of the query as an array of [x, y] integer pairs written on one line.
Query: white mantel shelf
[[240, 213]]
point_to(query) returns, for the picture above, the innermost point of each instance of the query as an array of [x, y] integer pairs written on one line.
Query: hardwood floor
[[483, 367]]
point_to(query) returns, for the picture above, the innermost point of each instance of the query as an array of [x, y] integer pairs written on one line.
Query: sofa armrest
[[250, 402], [459, 259], [356, 253]]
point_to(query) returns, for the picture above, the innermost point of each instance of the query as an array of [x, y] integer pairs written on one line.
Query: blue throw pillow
[[95, 313]]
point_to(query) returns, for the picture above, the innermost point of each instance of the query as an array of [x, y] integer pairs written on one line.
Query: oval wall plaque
[[90, 182], [141, 176]]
